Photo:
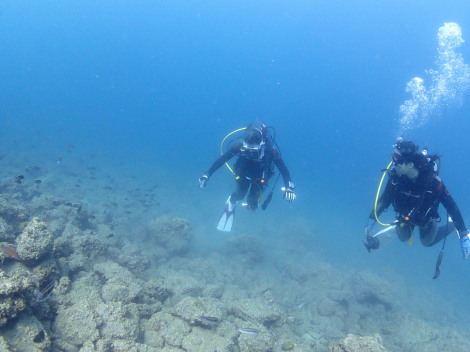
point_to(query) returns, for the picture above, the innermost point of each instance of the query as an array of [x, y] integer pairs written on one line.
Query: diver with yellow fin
[[257, 154], [415, 191]]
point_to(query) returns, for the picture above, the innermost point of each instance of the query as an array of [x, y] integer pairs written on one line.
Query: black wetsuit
[[418, 200], [252, 171]]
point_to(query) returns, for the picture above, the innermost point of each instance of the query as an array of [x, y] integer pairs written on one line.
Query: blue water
[[139, 89]]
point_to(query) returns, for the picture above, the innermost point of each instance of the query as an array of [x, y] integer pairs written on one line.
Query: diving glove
[[289, 194], [203, 181], [465, 243]]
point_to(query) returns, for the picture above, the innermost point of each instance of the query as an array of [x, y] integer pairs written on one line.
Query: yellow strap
[[378, 193], [410, 242], [222, 144], [228, 166]]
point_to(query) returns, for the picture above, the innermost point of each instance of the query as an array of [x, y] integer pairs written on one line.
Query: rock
[[202, 311], [172, 329], [28, 335], [35, 242], [4, 346], [156, 290], [201, 340], [121, 284], [13, 286], [6, 231], [354, 343], [76, 324], [172, 233], [11, 210], [262, 342], [119, 321], [258, 310], [130, 346], [130, 257], [287, 345]]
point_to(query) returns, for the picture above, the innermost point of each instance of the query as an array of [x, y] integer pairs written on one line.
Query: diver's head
[[254, 141], [407, 159], [404, 151]]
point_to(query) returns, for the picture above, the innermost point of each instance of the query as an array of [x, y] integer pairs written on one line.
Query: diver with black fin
[[257, 154], [415, 191]]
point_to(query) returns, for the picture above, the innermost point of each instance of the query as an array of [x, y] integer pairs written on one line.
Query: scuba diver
[[257, 152], [415, 190]]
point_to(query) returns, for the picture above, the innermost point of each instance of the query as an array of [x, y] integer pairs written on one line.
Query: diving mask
[[398, 159], [253, 150]]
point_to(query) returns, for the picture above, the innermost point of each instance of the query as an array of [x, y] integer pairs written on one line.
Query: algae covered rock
[[6, 231], [287, 345], [258, 310], [11, 210], [262, 342], [354, 343], [119, 321], [35, 242], [76, 324], [29, 335], [12, 299], [10, 307], [202, 311], [120, 284], [172, 233], [4, 346], [156, 290], [171, 328], [202, 340]]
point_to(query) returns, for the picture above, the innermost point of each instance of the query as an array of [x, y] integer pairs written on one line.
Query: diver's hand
[[369, 225], [465, 243], [289, 195], [203, 181]]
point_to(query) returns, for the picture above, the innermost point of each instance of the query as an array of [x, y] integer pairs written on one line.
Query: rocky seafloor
[[72, 281]]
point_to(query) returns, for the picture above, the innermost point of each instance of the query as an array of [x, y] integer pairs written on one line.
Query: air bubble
[[445, 86]]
